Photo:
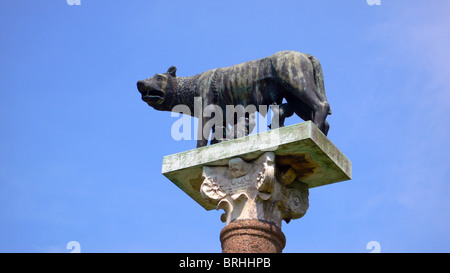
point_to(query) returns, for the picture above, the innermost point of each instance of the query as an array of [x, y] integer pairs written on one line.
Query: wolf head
[[157, 91]]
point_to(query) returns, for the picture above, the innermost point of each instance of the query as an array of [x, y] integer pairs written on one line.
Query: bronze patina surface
[[290, 75]]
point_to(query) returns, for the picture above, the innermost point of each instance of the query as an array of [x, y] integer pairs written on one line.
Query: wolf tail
[[318, 79]]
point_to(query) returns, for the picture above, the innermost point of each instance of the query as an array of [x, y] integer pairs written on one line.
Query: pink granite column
[[252, 236]]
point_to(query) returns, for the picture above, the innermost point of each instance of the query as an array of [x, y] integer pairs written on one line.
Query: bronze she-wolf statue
[[290, 75]]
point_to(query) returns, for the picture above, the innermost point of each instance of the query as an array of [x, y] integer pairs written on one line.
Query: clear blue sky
[[81, 154]]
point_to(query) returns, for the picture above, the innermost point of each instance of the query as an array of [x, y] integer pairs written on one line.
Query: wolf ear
[[172, 71]]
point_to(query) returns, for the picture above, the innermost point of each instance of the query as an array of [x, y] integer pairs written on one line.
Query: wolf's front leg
[[202, 140]]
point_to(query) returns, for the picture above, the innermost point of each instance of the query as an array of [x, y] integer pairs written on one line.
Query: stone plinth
[[259, 180]]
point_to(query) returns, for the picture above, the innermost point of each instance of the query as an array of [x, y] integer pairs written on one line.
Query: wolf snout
[[141, 86]]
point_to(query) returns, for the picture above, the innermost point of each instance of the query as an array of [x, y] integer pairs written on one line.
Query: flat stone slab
[[303, 147]]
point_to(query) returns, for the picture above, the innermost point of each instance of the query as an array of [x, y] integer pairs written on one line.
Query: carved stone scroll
[[250, 190]]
